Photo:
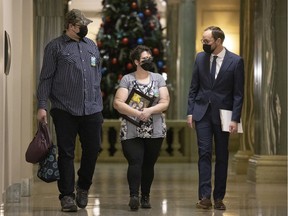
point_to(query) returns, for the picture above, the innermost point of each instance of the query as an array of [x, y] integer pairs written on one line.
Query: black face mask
[[83, 31], [207, 48], [147, 64]]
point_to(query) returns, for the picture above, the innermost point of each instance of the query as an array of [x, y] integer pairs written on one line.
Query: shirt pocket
[[68, 58]]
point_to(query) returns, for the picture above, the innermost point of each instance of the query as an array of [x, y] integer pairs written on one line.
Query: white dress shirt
[[219, 61]]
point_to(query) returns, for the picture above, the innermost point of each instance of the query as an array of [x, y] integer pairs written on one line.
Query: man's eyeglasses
[[204, 41]]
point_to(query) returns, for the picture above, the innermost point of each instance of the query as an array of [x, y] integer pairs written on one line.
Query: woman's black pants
[[141, 154]]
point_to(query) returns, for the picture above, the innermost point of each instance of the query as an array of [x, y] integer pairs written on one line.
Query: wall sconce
[[7, 56]]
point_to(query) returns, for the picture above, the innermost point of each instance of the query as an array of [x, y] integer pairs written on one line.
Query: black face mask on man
[[147, 64], [207, 48], [83, 31]]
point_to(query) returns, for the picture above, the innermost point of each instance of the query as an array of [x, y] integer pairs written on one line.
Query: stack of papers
[[226, 116]]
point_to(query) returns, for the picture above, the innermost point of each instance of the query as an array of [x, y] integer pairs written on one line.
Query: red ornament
[[114, 61], [155, 51], [125, 41], [129, 66], [120, 76], [147, 12], [107, 18], [134, 5], [99, 44]]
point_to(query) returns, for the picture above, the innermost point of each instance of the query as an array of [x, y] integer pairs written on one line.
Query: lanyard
[[147, 91]]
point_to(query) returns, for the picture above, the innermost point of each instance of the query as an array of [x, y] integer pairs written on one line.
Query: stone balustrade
[[180, 145], [177, 146]]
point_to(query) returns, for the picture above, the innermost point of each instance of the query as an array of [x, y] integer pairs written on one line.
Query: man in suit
[[217, 83]]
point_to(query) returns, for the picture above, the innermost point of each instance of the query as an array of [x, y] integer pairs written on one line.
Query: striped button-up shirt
[[71, 76]]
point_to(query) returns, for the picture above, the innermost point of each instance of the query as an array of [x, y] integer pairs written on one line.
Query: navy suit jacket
[[226, 92]]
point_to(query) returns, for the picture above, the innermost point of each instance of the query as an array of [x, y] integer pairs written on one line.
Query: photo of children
[[139, 101]]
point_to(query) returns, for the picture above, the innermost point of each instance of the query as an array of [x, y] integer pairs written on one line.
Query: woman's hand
[[145, 114]]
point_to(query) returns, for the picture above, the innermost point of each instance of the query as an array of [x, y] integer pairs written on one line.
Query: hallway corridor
[[174, 193]]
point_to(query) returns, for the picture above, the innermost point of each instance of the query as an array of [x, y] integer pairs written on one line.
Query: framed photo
[[139, 101]]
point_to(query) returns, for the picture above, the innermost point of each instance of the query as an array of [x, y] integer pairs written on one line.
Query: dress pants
[[67, 127], [206, 130]]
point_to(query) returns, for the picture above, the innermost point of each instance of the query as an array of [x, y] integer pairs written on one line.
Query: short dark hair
[[135, 54], [216, 32]]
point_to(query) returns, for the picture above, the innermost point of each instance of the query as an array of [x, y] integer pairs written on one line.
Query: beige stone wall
[[16, 93], [226, 15], [2, 76]]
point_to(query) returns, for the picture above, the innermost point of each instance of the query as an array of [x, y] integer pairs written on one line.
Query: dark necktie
[[213, 68]]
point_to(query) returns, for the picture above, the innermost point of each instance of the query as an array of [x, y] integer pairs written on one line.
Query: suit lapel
[[225, 64]]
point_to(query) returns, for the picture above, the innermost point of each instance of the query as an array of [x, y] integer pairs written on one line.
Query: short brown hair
[[216, 32], [135, 54]]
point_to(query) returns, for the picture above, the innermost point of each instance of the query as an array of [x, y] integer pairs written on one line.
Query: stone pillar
[[181, 33], [240, 160], [267, 169], [270, 92], [172, 43]]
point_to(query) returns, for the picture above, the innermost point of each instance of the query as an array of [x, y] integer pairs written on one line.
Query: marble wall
[[270, 77]]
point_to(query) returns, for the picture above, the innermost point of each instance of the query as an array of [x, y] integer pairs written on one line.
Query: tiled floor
[[174, 193]]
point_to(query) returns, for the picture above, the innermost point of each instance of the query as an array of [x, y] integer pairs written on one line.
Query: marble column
[[181, 34], [241, 158], [270, 93]]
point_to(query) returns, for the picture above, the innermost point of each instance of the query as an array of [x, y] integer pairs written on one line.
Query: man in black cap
[[70, 79]]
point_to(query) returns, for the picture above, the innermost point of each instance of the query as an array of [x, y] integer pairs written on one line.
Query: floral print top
[[155, 127]]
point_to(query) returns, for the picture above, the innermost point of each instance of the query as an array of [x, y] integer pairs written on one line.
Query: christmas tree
[[126, 24]]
